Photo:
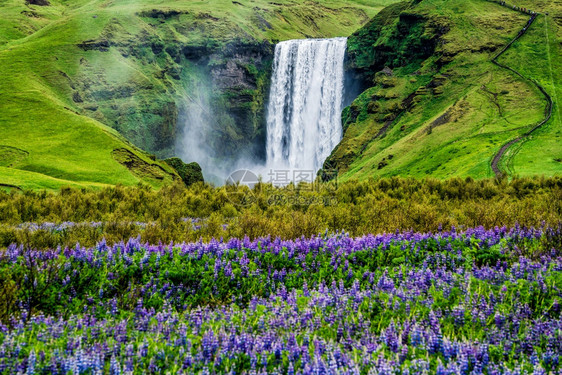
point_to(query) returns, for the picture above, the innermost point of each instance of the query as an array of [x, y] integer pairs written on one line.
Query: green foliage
[[9, 290], [438, 104], [190, 173], [176, 213]]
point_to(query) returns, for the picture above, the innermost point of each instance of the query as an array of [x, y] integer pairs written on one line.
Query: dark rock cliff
[[395, 37], [238, 81], [150, 110]]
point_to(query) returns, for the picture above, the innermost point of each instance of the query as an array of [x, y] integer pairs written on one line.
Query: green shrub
[[382, 205]]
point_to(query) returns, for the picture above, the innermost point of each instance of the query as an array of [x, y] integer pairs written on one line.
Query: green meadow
[[449, 113]]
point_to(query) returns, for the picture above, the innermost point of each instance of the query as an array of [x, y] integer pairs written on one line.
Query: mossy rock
[[138, 166], [189, 173], [11, 155]]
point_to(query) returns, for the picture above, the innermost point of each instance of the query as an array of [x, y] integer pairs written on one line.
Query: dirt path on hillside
[[548, 109], [554, 94]]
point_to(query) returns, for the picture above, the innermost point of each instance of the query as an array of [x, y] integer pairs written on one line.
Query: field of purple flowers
[[472, 302]]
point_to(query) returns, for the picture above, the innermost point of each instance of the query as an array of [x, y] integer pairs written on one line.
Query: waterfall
[[305, 103]]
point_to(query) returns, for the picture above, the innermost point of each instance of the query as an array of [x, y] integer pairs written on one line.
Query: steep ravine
[[184, 81], [229, 80]]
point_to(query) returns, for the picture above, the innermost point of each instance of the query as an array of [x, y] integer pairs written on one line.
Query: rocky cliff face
[[230, 80], [241, 74], [222, 120]]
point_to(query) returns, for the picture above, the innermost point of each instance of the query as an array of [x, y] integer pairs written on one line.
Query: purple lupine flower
[[31, 362], [115, 367]]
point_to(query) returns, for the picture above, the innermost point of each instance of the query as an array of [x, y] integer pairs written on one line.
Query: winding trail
[[548, 109], [555, 95]]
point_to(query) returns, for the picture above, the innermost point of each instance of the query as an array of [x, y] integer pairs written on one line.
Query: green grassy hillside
[[539, 56], [46, 142], [84, 83], [438, 106], [74, 72]]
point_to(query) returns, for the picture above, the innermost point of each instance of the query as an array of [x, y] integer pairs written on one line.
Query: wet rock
[[387, 71], [76, 97], [197, 52], [240, 63], [38, 2], [157, 47], [98, 45], [233, 74], [162, 13]]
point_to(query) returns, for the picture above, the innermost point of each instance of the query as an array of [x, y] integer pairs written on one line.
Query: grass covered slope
[[58, 147], [71, 68], [437, 105], [539, 56], [220, 19], [45, 142]]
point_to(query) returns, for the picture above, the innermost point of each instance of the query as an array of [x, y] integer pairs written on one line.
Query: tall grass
[[202, 211]]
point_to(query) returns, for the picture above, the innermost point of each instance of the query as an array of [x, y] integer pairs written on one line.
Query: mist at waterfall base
[[303, 126], [202, 140]]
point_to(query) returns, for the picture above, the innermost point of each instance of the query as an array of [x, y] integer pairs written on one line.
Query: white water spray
[[305, 103]]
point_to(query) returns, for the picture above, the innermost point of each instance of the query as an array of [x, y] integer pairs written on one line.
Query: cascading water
[[305, 103]]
